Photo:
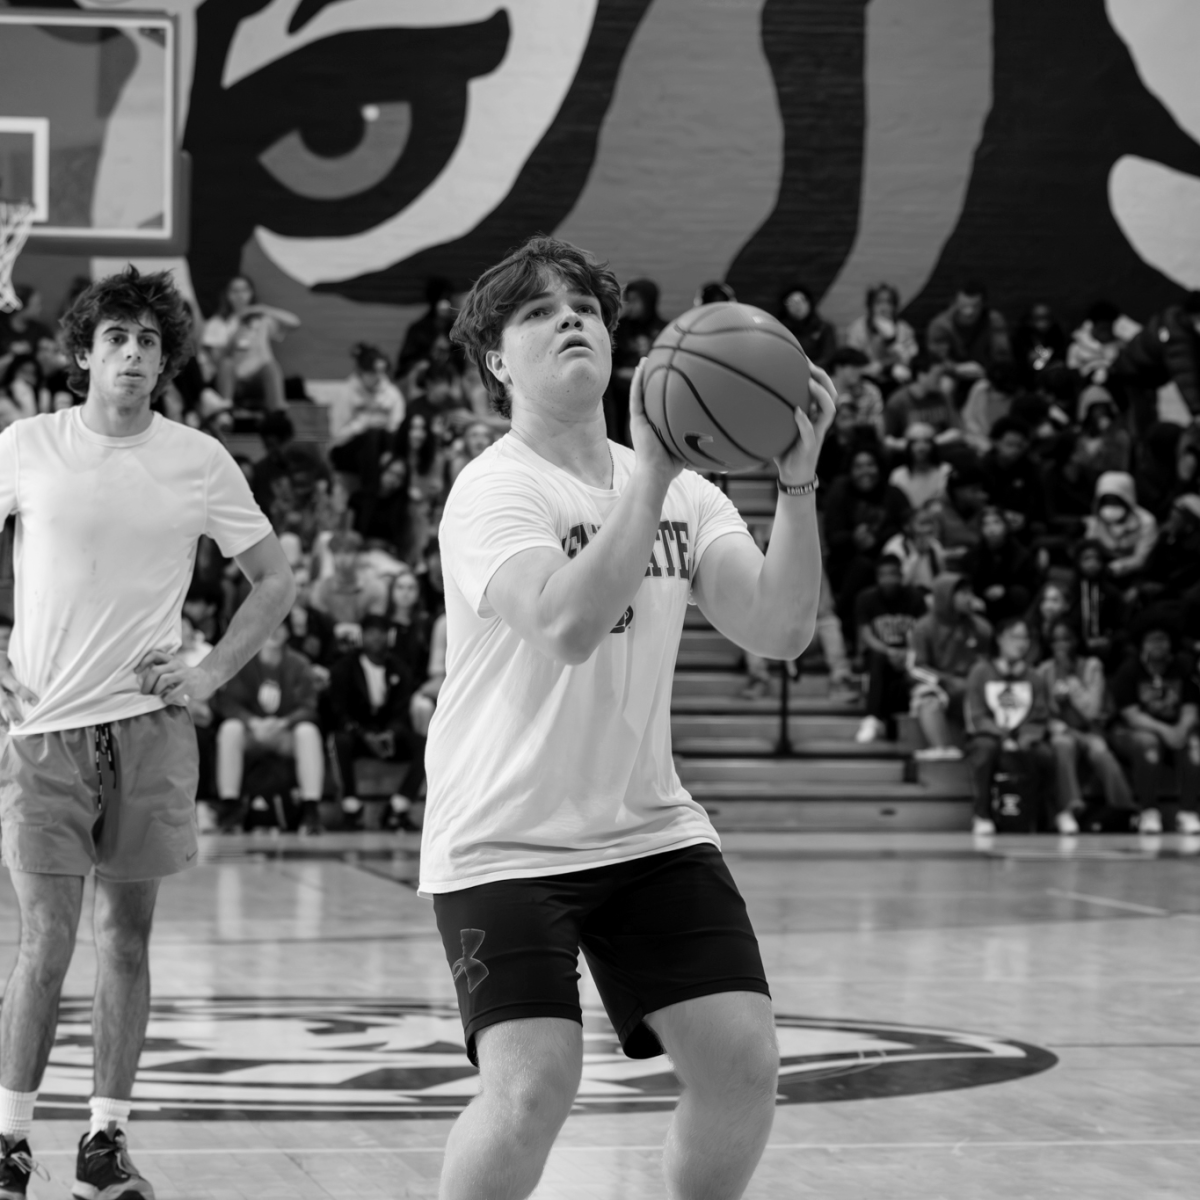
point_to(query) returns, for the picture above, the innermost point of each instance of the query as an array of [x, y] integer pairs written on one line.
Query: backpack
[[1014, 793]]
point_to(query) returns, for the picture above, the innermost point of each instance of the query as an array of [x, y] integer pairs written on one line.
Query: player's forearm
[[789, 583], [262, 612], [582, 601]]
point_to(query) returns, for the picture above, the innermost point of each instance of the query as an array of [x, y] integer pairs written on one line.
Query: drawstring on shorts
[[103, 747]]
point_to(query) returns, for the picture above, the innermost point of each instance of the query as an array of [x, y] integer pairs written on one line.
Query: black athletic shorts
[[655, 931]]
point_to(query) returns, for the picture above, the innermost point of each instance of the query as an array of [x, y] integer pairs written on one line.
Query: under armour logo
[[469, 965]]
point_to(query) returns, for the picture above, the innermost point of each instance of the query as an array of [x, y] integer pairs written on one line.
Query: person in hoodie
[[961, 509], [1008, 709], [885, 616], [1000, 569], [1159, 706], [1013, 479], [1078, 707], [1039, 344], [946, 644], [1096, 605], [797, 310], [1103, 443], [1126, 531], [862, 512]]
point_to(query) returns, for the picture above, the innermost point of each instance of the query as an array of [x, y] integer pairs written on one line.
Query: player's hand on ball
[[647, 445], [168, 676], [799, 464], [13, 694]]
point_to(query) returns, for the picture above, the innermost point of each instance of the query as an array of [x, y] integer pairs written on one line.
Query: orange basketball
[[721, 386]]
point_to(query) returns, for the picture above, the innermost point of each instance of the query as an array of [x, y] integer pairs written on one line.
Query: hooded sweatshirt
[[948, 642], [1128, 539], [1007, 700]]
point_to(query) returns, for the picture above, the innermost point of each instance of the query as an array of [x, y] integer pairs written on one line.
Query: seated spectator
[[1008, 709], [888, 342], [1097, 608], [1166, 351], [435, 322], [436, 385], [1097, 342], [1013, 480], [1050, 606], [1159, 707], [237, 341], [424, 701], [847, 367], [277, 433], [946, 642], [842, 442], [862, 512], [19, 388], [1068, 483], [310, 631], [202, 609], [1172, 572], [21, 330], [1126, 532], [922, 557], [885, 615], [1104, 444], [270, 708], [639, 324], [960, 511], [922, 476], [349, 594], [194, 648], [369, 697], [971, 336], [1000, 569], [1039, 343], [429, 576], [928, 400], [1078, 708], [1161, 461], [798, 311], [475, 439], [410, 623], [714, 292], [991, 398], [364, 417]]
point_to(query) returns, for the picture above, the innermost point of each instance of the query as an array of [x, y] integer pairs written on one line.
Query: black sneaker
[[104, 1170], [310, 818], [16, 1166]]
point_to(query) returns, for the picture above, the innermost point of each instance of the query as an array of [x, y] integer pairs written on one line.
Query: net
[[15, 220]]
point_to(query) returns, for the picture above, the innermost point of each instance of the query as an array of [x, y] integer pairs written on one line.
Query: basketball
[[721, 386]]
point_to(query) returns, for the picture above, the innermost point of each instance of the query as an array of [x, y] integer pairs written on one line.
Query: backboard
[[88, 130]]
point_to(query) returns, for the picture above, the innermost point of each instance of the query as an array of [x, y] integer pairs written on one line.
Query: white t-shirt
[[106, 541], [536, 767]]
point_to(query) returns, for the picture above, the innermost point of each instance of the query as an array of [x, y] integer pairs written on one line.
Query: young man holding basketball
[[98, 758], [555, 818]]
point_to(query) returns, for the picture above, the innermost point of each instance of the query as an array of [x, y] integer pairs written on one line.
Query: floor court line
[[1068, 1143], [1105, 902]]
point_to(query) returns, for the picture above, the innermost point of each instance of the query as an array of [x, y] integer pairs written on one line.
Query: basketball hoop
[[15, 220]]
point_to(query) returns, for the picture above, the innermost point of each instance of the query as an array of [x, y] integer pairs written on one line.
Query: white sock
[[16, 1114], [106, 1112]]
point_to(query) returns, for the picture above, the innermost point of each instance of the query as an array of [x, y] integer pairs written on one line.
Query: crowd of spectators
[[1011, 525], [1010, 519]]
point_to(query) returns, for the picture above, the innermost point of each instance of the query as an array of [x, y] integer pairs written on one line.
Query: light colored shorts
[[56, 817]]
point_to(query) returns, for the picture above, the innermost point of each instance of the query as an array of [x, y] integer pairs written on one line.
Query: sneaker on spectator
[[871, 730], [843, 690], [1150, 821], [352, 812], [756, 689], [310, 818], [937, 754], [951, 754], [1187, 822], [397, 813], [1065, 822], [982, 827]]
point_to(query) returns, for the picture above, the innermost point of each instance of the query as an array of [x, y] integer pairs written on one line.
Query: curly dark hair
[[525, 273], [122, 297]]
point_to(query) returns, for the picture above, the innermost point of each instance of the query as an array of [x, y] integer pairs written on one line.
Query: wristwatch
[[799, 489]]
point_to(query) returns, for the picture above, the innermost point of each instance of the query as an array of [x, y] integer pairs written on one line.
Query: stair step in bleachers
[[708, 734], [751, 772], [905, 809]]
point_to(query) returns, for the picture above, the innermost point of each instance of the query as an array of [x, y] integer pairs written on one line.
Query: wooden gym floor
[[956, 1021]]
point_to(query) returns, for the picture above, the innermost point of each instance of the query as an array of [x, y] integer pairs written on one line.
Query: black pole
[[783, 747]]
